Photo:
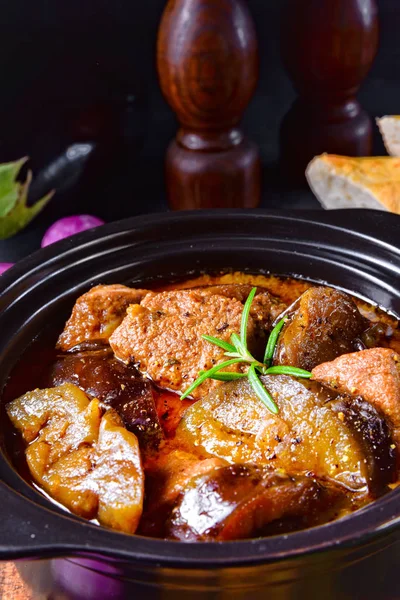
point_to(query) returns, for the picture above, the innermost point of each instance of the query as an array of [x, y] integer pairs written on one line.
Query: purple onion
[[4, 266], [68, 226]]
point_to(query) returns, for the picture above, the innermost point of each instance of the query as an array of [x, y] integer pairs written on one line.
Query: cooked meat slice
[[102, 376], [307, 436], [163, 336], [170, 409], [238, 502], [325, 324], [166, 477], [97, 314], [85, 460], [286, 291], [265, 308], [373, 374]]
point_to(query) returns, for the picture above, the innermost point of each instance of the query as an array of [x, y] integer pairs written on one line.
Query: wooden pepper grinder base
[[306, 132], [328, 47], [217, 177], [208, 68]]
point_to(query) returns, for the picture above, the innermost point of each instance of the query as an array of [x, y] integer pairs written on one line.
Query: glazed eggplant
[[83, 458], [167, 476], [120, 386], [249, 451], [323, 324], [370, 429], [240, 501], [308, 435]]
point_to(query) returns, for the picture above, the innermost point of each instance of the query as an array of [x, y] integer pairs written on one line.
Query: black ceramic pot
[[355, 557]]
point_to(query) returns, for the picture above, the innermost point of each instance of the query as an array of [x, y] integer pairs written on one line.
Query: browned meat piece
[[287, 290], [163, 335], [170, 409], [85, 460], [325, 325], [97, 314], [166, 477], [102, 376], [238, 502], [373, 374], [265, 308], [309, 435]]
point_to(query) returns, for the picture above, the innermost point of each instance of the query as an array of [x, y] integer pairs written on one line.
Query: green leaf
[[245, 317], [208, 375], [246, 356], [272, 341], [226, 376], [14, 212], [234, 355], [221, 343], [261, 392], [284, 370], [9, 187]]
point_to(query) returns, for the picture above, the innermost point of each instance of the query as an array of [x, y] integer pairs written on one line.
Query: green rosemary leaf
[[261, 392], [208, 375], [226, 376], [245, 317], [241, 348], [272, 341], [221, 343], [234, 355], [283, 370]]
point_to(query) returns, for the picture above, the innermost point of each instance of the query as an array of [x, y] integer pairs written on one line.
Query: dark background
[[68, 67]]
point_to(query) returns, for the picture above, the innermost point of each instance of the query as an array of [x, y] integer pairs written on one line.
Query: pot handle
[[29, 530]]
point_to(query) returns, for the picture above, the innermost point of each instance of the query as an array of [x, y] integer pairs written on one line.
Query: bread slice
[[345, 182], [390, 130]]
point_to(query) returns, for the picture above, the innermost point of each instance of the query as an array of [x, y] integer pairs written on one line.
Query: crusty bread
[[344, 182], [390, 130]]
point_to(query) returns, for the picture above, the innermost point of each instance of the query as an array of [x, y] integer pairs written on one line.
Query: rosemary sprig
[[245, 317], [239, 353], [221, 343], [209, 374], [262, 393], [272, 341], [226, 376], [286, 370]]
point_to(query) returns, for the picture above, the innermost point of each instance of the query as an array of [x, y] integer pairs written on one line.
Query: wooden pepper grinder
[[328, 47], [208, 67]]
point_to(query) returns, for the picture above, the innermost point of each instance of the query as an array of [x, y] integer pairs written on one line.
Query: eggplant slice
[[373, 434], [83, 458], [99, 374], [240, 501], [309, 435], [324, 324]]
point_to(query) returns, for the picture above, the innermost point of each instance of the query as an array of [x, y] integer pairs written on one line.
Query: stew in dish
[[219, 408]]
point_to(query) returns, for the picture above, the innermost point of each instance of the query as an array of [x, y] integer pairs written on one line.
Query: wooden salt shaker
[[208, 68], [328, 47]]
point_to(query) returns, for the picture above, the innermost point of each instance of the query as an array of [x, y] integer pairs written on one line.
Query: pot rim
[[67, 534]]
